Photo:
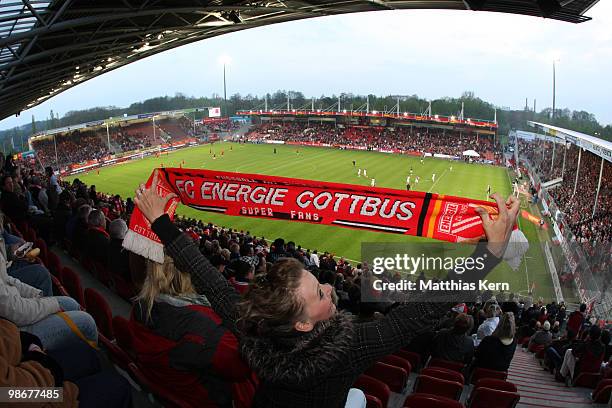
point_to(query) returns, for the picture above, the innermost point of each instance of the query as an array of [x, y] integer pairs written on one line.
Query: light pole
[[554, 87], [225, 60]]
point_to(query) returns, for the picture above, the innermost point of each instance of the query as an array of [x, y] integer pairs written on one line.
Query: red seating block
[[398, 362], [413, 358], [422, 400], [372, 386], [100, 310], [479, 373], [451, 365], [486, 398], [444, 374], [71, 281], [437, 386], [395, 377]]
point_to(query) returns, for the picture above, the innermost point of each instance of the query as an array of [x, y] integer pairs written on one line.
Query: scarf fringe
[[144, 246]]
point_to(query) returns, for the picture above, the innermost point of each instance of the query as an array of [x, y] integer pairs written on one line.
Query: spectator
[[576, 319], [542, 337], [22, 304], [585, 357], [491, 310], [453, 344], [303, 352], [97, 237], [118, 260], [495, 352], [553, 355], [203, 350]]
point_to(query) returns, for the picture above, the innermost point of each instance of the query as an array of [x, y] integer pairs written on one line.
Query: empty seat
[[486, 398], [437, 386], [71, 281], [42, 245], [100, 310], [479, 373], [495, 384], [376, 388], [443, 373], [398, 362], [413, 358], [451, 365], [53, 263], [422, 400], [395, 377]]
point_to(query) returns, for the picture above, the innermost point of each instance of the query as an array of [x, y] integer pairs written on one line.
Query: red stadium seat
[[437, 386], [422, 400], [398, 362], [495, 384], [395, 377], [123, 288], [42, 245], [100, 310], [479, 373], [166, 396], [603, 391], [413, 358], [101, 273], [486, 398], [58, 288], [374, 387], [123, 334], [444, 374], [373, 402], [53, 263], [451, 365], [71, 281]]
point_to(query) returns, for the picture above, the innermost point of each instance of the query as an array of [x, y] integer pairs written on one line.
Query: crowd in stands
[[178, 339], [406, 139], [72, 148], [47, 339], [576, 199]]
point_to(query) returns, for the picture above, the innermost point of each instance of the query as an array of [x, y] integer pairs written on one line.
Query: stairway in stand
[[538, 387]]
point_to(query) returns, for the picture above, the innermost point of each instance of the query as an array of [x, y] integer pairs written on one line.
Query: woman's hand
[[150, 203], [498, 231]]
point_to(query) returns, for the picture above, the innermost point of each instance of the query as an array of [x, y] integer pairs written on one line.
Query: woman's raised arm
[[187, 256]]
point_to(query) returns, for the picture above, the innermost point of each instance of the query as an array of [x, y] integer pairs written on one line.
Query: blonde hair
[[163, 279]]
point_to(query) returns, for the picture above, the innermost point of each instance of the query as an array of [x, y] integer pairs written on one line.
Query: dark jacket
[[119, 259], [97, 245], [314, 369], [452, 346], [493, 354]]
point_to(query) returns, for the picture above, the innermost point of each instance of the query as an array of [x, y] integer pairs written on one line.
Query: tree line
[[473, 107]]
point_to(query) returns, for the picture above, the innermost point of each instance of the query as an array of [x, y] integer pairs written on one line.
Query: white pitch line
[[436, 182]]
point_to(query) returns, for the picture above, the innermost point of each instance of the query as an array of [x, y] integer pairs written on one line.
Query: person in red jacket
[[576, 319]]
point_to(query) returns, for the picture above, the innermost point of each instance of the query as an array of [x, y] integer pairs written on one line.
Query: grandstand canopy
[[48, 46], [600, 147]]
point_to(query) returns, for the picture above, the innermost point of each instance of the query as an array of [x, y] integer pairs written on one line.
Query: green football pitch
[[389, 170]]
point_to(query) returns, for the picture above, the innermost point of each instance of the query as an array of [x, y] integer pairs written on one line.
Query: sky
[[502, 58]]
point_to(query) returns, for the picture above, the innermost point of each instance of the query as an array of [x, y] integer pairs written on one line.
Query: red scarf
[[416, 213]]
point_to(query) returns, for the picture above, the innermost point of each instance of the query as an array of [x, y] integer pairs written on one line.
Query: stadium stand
[[394, 381]]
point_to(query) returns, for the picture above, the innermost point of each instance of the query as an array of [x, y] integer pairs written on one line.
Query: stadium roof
[[595, 145], [48, 46]]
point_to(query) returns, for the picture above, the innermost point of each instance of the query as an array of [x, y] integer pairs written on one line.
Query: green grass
[[466, 180]]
